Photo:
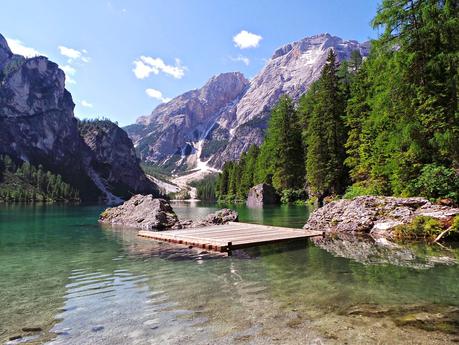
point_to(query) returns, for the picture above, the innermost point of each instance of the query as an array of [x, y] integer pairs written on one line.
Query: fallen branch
[[438, 238]]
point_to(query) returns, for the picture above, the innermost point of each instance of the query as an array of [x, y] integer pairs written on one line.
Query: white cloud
[[246, 39], [241, 58], [86, 104], [69, 72], [68, 69], [146, 65], [17, 47], [74, 54], [156, 94]]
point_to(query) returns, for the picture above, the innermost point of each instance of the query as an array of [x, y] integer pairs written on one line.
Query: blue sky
[[122, 58]]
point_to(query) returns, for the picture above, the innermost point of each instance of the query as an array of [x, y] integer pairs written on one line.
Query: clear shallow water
[[83, 284]]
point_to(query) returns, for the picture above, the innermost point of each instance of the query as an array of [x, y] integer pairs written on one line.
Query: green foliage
[[90, 125], [357, 190], [156, 171], [212, 147], [436, 181], [324, 135], [293, 196], [420, 228], [279, 161], [402, 115], [206, 188], [25, 182]]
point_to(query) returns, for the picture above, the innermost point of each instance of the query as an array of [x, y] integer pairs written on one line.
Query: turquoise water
[[75, 282]]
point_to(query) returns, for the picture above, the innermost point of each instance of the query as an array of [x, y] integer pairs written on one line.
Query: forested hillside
[[388, 124], [24, 182]]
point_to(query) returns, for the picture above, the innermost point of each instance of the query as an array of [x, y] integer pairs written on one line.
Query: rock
[[142, 212], [149, 213], [31, 329], [115, 159], [376, 215], [219, 217], [262, 194], [174, 129]]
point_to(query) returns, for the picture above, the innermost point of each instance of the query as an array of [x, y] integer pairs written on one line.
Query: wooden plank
[[230, 236]]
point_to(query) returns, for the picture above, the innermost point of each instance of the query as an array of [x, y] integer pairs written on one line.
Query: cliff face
[[173, 132], [290, 71], [115, 159], [240, 119], [37, 123]]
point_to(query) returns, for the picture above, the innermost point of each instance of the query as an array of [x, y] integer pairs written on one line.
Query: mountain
[[224, 134], [37, 125], [173, 134]]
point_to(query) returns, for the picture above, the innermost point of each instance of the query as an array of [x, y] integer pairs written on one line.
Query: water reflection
[[371, 251], [82, 284]]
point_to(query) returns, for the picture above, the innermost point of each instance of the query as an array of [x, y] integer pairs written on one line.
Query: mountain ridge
[[242, 122], [37, 125]]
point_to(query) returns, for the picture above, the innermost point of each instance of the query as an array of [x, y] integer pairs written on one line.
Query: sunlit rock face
[[172, 134], [236, 111], [37, 124]]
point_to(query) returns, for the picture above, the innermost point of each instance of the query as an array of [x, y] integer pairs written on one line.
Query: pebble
[[31, 329], [97, 328]]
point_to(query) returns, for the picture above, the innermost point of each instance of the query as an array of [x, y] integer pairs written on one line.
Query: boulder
[[217, 218], [142, 212], [262, 194], [375, 215], [149, 213]]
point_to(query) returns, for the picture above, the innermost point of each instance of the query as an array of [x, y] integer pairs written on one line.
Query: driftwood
[[443, 233]]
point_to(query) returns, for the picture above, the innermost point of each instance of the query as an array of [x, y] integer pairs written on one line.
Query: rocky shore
[[388, 217], [149, 213]]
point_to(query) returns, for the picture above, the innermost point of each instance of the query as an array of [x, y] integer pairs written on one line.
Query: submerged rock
[[262, 194], [148, 213], [376, 215]]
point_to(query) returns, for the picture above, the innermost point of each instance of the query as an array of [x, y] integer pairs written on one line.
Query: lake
[[67, 280]]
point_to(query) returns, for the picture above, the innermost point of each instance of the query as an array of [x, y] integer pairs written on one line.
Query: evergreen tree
[[325, 135]]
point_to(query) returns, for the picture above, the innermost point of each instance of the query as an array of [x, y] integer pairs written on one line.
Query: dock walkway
[[231, 236]]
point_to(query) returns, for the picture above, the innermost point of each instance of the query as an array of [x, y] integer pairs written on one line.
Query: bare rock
[[142, 212], [376, 215], [149, 213], [262, 194], [220, 217]]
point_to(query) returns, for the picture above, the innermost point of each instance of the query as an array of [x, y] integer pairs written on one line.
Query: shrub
[[293, 195], [420, 228], [438, 181], [357, 190]]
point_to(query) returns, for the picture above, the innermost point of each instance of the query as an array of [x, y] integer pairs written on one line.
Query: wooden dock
[[231, 236]]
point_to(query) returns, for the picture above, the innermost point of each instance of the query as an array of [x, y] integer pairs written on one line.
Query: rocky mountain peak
[[221, 120], [37, 125], [5, 51]]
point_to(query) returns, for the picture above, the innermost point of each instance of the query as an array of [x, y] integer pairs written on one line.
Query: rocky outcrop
[[375, 215], [171, 135], [142, 212], [149, 213], [262, 194], [115, 158], [219, 122], [37, 125], [219, 217]]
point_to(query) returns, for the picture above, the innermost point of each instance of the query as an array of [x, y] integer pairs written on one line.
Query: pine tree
[[325, 135]]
